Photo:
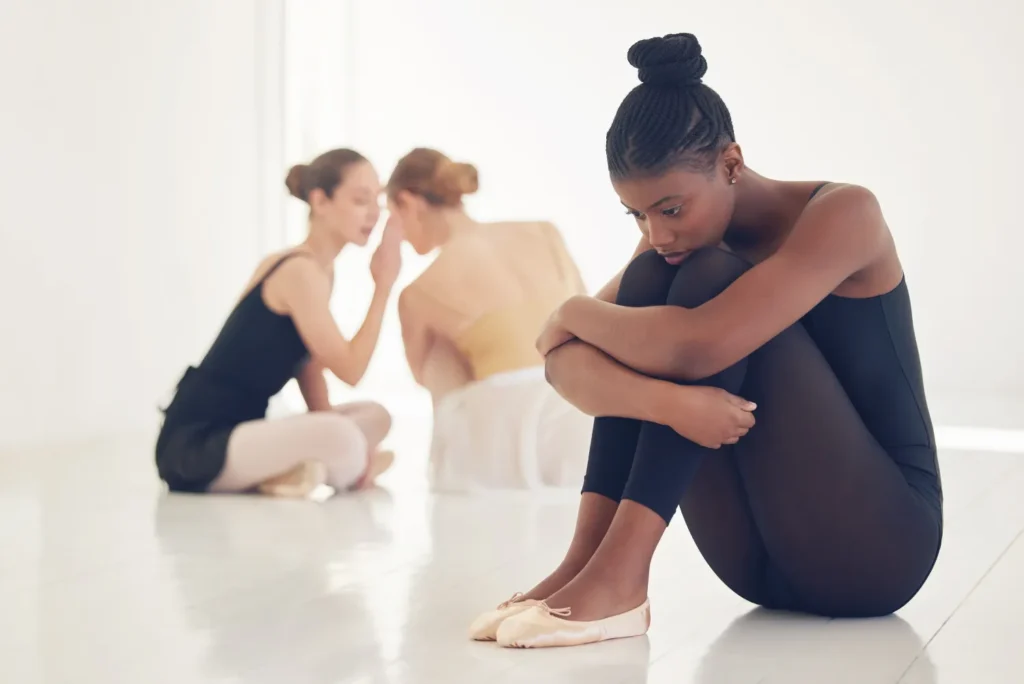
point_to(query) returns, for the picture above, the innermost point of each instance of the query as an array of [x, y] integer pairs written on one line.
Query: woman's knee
[[646, 281], [376, 424], [330, 436], [372, 418], [703, 275]]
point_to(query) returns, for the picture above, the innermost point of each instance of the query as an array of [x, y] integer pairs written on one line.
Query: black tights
[[807, 512]]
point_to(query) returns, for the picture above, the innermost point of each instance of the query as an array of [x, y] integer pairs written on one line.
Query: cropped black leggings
[[807, 512]]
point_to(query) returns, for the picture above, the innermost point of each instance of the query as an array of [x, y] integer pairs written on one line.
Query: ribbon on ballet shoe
[[516, 598], [557, 612], [519, 597]]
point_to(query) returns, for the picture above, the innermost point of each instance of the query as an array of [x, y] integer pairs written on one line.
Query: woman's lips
[[674, 258]]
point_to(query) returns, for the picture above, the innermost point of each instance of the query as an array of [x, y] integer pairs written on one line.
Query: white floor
[[105, 578]]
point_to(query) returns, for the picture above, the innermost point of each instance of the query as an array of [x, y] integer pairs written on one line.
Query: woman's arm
[[313, 386], [417, 337], [836, 237], [566, 363], [599, 386], [306, 290]]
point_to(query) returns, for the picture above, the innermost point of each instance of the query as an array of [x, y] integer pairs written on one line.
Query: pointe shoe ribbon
[[485, 627], [557, 612], [541, 626]]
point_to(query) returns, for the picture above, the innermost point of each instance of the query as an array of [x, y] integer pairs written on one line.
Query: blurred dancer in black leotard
[[214, 436]]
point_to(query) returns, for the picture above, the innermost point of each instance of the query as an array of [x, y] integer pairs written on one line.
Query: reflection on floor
[[106, 578]]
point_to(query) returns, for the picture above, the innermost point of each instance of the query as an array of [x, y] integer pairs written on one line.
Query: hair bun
[[293, 181], [673, 60], [455, 180]]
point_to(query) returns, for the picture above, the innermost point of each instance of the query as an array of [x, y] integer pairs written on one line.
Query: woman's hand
[[387, 259], [708, 416], [554, 334]]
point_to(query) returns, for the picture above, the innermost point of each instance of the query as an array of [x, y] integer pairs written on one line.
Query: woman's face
[[353, 211], [412, 211], [681, 210]]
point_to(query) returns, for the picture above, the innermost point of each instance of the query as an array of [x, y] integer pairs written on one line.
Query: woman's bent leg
[[663, 466], [612, 444], [807, 512], [846, 534], [375, 423], [261, 450], [372, 418]]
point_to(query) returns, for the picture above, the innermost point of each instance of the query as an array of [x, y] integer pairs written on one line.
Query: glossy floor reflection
[[106, 578]]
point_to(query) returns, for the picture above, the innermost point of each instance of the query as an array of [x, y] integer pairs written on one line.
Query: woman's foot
[[297, 483], [615, 578], [485, 627], [595, 515], [544, 627], [607, 599], [378, 464], [563, 575], [595, 595], [595, 601]]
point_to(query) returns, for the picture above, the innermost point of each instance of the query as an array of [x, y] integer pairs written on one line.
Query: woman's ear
[[409, 201], [317, 199], [732, 160]]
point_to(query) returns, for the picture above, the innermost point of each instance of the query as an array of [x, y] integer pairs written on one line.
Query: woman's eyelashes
[[670, 212]]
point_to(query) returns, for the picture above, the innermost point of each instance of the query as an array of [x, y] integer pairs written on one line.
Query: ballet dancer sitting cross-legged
[[747, 297], [215, 437]]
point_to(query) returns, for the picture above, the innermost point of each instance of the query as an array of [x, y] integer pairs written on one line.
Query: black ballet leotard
[[832, 504], [256, 353]]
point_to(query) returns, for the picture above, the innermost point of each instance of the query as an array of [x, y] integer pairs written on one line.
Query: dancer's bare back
[[477, 310]]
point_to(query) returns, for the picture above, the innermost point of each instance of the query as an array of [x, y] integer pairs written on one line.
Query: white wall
[[922, 108], [133, 199], [144, 147], [317, 106]]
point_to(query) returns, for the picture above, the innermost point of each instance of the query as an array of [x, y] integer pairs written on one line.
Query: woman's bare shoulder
[[536, 226], [263, 267]]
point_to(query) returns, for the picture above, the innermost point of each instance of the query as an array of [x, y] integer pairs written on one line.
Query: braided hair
[[671, 119]]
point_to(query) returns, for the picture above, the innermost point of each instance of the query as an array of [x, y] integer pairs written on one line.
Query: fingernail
[[751, 405]]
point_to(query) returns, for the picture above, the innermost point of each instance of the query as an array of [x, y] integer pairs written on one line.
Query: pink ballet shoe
[[379, 463], [544, 627], [297, 483], [485, 627]]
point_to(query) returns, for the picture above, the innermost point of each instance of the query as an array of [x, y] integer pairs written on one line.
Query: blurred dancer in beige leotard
[[470, 323]]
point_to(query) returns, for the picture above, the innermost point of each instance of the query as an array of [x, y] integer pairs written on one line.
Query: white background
[[144, 146], [129, 202]]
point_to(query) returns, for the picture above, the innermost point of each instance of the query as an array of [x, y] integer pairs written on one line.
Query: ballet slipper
[[297, 483], [485, 627], [543, 627], [379, 463]]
